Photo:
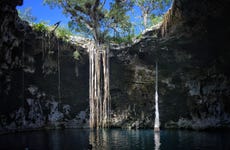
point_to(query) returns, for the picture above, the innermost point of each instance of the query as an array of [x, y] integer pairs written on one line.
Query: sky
[[44, 13], [51, 16]]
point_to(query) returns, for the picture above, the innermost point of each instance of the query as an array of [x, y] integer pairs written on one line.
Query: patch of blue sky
[[44, 13]]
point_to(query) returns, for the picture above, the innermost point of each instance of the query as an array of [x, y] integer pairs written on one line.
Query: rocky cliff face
[[192, 50], [29, 75], [191, 47]]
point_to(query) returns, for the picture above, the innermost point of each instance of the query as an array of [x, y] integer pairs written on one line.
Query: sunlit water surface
[[116, 139]]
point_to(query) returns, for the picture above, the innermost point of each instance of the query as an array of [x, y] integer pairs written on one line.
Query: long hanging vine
[[99, 94], [23, 73], [93, 19], [59, 71]]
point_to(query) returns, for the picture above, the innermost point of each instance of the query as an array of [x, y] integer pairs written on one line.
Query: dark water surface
[[116, 139]]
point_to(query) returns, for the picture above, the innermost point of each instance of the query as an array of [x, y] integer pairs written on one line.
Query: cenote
[[114, 74], [117, 139]]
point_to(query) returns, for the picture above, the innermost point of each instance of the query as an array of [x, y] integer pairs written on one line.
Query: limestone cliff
[[29, 75], [192, 50]]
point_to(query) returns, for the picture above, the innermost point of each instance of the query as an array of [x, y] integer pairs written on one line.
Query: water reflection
[[143, 139], [116, 139], [98, 139], [204, 140], [46, 140], [121, 139], [157, 140], [55, 140]]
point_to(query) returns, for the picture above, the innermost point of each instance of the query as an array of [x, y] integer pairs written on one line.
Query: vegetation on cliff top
[[119, 23]]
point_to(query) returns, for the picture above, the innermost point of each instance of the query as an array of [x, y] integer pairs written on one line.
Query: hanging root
[[99, 95]]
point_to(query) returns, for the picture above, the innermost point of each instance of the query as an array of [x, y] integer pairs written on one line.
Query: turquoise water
[[116, 139]]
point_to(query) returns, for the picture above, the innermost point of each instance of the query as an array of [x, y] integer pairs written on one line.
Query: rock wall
[[192, 50], [29, 96]]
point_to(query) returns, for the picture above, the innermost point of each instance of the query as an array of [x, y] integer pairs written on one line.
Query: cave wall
[[29, 73], [197, 36], [192, 50]]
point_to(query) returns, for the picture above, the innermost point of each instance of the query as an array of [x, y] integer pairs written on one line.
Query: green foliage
[[151, 8], [41, 27], [76, 55], [139, 36], [26, 15], [91, 18], [60, 32], [150, 5], [156, 19], [119, 40], [80, 28], [120, 21], [63, 32]]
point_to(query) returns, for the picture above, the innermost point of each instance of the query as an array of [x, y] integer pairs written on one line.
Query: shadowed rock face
[[12, 3], [191, 47], [192, 50], [29, 58]]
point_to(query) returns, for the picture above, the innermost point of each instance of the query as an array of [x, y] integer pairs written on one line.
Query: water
[[116, 139]]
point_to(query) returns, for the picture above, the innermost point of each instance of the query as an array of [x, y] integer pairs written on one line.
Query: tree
[[94, 20], [26, 15], [148, 6]]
